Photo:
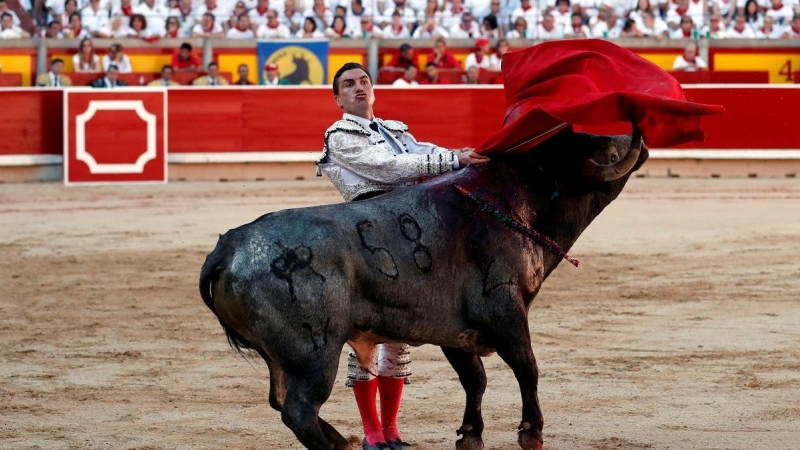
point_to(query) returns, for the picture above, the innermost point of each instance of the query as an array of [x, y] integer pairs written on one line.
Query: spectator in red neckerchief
[[404, 57], [480, 57], [433, 76], [442, 57], [793, 31], [685, 30], [125, 9], [689, 61], [184, 61], [497, 57], [577, 29], [467, 29], [86, 60], [172, 28]]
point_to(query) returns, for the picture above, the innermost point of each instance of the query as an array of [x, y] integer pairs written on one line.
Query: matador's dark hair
[[345, 68]]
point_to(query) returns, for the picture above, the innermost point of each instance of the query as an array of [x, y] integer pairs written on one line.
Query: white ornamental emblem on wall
[[136, 106]]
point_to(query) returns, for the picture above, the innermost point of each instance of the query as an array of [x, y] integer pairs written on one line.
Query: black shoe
[[397, 444], [379, 446]]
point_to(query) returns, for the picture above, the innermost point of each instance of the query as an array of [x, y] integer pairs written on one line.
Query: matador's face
[[356, 95]]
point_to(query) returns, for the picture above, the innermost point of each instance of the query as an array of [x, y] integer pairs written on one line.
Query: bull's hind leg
[[473, 379], [306, 390], [277, 399]]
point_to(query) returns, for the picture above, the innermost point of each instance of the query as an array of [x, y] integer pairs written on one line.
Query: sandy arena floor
[[680, 330]]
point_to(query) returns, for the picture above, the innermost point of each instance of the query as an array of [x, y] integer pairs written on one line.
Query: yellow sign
[[298, 65], [781, 66]]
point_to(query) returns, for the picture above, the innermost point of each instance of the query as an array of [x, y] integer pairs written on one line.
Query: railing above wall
[[206, 47]]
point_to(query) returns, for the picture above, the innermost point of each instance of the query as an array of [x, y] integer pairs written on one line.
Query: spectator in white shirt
[[76, 29], [532, 15], [576, 28], [397, 29], [53, 30], [676, 14], [689, 61], [208, 27], [686, 29], [258, 15], [489, 28], [321, 14], [185, 15], [562, 14], [792, 31], [715, 28], [138, 27], [242, 29], [430, 30], [86, 60], [338, 29], [310, 30], [409, 77], [238, 9], [291, 17], [480, 57], [752, 14], [219, 13], [521, 30], [478, 8], [172, 29], [408, 14], [116, 56], [4, 9], [369, 29], [740, 30], [451, 16], [467, 29], [155, 15], [780, 11], [548, 29], [769, 30], [273, 28], [115, 29], [607, 26], [8, 30], [431, 10], [496, 59], [93, 17]]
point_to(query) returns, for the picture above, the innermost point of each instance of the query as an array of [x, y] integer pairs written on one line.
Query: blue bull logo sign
[[299, 63]]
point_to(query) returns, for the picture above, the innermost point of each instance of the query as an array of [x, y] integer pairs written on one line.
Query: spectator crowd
[[407, 19]]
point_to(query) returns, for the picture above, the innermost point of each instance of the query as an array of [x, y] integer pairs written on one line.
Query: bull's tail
[[213, 268]]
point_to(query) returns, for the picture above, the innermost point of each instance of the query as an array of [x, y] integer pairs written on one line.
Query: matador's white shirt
[[359, 159]]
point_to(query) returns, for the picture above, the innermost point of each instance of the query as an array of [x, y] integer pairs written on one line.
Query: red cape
[[587, 82]]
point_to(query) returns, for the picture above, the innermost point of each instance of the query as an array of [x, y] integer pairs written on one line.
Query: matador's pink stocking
[[391, 393], [365, 392]]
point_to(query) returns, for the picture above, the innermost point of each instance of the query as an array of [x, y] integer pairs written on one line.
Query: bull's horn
[[616, 170]]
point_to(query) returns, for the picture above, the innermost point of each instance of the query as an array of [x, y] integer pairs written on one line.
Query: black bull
[[420, 265]]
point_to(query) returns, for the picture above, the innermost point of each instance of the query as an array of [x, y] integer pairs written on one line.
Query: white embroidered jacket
[[359, 160]]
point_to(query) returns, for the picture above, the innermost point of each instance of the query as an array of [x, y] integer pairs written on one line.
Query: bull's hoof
[[530, 440], [469, 442]]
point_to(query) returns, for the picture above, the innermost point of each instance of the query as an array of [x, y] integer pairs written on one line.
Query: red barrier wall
[[247, 120], [294, 119], [31, 121]]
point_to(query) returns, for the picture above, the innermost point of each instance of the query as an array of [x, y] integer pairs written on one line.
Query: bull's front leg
[[514, 347], [473, 379]]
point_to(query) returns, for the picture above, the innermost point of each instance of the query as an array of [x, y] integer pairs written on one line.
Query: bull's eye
[[614, 158]]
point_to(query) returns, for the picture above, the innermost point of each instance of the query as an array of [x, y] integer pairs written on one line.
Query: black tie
[[56, 81], [373, 125]]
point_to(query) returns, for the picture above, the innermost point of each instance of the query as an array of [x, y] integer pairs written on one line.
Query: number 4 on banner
[[787, 71]]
